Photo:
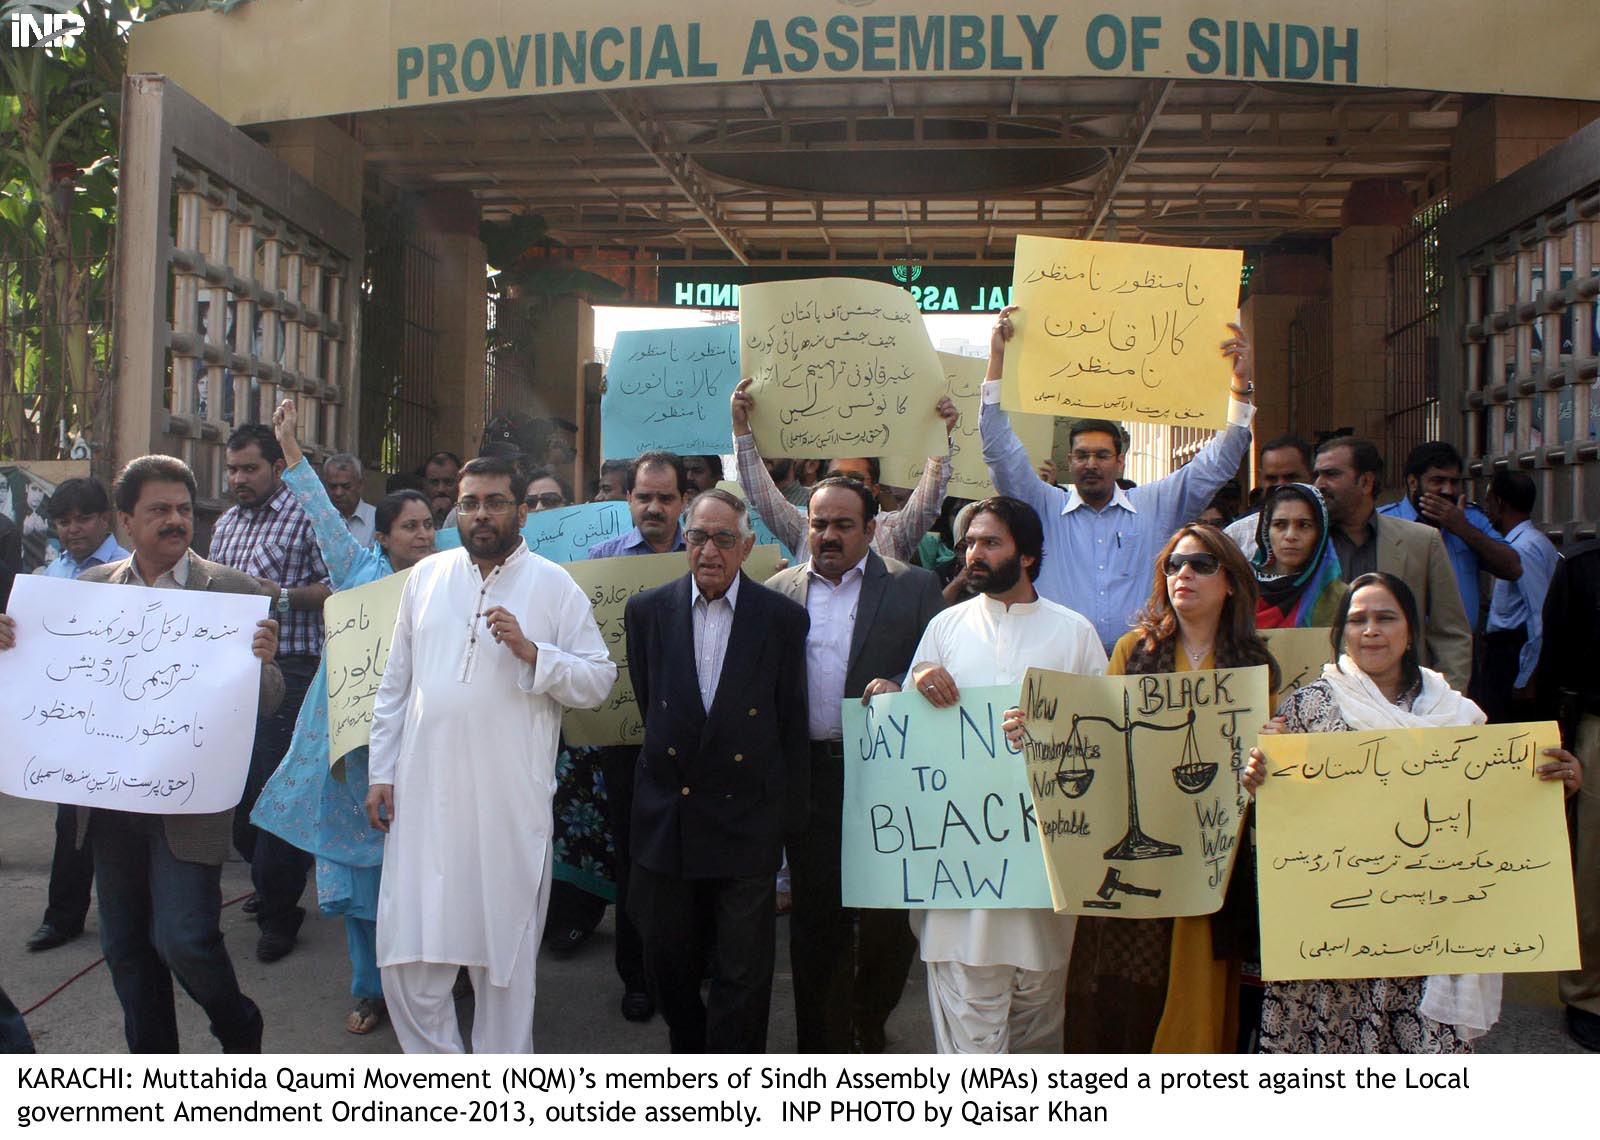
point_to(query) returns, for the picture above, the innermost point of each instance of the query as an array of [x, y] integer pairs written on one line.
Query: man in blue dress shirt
[[80, 512], [1102, 540], [1514, 634], [1433, 496]]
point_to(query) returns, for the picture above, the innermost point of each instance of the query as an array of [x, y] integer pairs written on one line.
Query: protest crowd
[[469, 834]]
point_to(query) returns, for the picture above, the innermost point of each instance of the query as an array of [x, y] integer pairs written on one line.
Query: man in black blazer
[[718, 668], [867, 616]]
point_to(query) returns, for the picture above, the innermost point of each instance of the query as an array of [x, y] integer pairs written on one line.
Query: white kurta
[[980, 642], [467, 734]]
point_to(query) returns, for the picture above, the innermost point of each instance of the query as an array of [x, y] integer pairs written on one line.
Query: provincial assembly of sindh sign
[[267, 61]]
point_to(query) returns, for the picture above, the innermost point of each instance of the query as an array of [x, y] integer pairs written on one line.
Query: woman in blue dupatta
[[1296, 565], [321, 808]]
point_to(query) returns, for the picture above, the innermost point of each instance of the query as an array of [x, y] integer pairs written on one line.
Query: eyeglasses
[[1101, 456], [494, 506], [547, 499], [723, 539], [1204, 565]]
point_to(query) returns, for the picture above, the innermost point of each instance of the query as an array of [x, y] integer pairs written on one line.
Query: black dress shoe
[[48, 937], [251, 904], [638, 1006], [1584, 1027], [271, 946], [566, 941]]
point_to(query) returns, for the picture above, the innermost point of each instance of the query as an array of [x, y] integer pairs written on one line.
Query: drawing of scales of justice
[[1192, 774]]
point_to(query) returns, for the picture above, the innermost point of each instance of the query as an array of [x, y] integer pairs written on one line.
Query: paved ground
[[305, 996]]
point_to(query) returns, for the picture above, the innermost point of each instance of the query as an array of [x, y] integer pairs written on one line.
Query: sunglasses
[[1204, 564]]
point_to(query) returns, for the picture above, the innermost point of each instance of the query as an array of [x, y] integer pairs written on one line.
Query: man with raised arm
[[898, 531], [1103, 540]]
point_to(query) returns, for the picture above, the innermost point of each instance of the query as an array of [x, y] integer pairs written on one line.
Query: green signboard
[[935, 289]]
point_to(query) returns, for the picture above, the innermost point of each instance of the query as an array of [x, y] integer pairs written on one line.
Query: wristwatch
[[283, 600]]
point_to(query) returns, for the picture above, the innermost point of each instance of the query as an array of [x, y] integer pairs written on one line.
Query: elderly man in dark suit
[[867, 615], [718, 667], [159, 878]]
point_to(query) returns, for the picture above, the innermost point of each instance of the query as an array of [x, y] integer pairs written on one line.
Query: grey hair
[[343, 459], [731, 501]]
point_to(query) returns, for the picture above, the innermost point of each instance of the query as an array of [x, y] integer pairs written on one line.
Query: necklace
[[1195, 657]]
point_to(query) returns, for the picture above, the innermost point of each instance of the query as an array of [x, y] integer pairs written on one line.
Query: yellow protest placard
[[609, 583], [1413, 851], [841, 367], [1136, 785], [1126, 332], [360, 624], [969, 478], [1300, 654]]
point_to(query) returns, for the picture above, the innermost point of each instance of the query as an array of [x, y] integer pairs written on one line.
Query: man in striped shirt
[[269, 537]]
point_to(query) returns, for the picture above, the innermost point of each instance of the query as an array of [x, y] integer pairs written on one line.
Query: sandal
[[368, 1015]]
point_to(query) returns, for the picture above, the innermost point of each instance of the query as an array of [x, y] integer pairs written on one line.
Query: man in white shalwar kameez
[[490, 643], [997, 978]]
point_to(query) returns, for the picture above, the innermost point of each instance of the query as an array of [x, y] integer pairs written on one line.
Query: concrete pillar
[[1281, 283], [1374, 213], [448, 228], [563, 344], [329, 158], [1501, 133]]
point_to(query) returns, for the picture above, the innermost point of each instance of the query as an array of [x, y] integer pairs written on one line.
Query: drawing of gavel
[[1112, 884]]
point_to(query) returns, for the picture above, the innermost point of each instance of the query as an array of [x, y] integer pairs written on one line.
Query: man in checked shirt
[[269, 537]]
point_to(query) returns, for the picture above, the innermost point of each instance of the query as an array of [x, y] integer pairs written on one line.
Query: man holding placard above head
[[158, 878], [997, 978], [867, 615], [718, 664], [490, 645], [897, 532], [1103, 540]]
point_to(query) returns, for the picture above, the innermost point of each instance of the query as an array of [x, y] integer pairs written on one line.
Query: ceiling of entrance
[[950, 170]]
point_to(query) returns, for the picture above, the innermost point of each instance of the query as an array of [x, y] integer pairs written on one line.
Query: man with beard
[[270, 538], [867, 614], [1434, 496], [997, 978], [491, 643], [787, 481], [657, 488]]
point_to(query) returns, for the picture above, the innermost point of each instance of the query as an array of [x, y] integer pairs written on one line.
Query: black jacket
[[714, 793]]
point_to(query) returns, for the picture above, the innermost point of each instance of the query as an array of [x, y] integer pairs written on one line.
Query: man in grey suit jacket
[[1347, 473], [867, 615], [159, 878]]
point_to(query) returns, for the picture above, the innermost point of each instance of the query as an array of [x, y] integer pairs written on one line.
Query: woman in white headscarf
[[1379, 684]]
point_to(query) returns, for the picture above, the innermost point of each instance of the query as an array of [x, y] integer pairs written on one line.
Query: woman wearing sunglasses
[[1296, 565], [1378, 684], [1162, 984]]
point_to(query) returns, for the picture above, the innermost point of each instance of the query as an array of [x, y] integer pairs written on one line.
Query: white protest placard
[[129, 698]]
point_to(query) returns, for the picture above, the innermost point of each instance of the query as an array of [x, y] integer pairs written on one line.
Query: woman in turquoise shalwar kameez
[[318, 808]]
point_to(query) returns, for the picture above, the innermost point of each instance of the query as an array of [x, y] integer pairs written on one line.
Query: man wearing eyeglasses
[[491, 643], [1102, 539], [718, 664]]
